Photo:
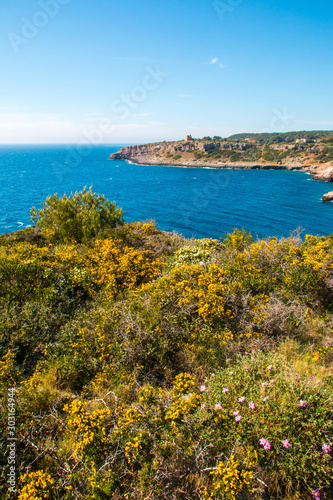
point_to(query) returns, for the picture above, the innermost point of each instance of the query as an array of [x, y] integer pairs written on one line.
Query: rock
[[328, 196], [322, 174]]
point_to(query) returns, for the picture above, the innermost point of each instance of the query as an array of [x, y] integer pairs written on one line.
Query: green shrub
[[78, 217]]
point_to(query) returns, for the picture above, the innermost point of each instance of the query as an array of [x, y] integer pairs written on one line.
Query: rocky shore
[[194, 154]]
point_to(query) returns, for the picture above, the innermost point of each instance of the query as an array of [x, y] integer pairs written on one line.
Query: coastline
[[181, 154]]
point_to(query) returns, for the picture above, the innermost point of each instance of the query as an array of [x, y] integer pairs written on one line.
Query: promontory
[[308, 151]]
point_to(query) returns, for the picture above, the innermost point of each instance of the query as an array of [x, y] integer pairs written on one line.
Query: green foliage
[[276, 137], [78, 217], [151, 366], [238, 240]]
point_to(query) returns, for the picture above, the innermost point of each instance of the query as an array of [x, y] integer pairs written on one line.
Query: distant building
[[188, 138], [252, 141], [298, 141]]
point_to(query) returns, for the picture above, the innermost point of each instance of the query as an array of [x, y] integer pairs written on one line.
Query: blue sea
[[192, 201]]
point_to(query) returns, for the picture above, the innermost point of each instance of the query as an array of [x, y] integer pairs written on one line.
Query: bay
[[192, 201]]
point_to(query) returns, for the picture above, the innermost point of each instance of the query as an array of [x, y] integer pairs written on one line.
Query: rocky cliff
[[225, 154]]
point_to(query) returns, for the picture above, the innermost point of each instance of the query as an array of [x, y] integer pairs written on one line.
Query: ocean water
[[192, 201]]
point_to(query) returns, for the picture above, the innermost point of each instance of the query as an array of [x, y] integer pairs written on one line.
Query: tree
[[78, 217]]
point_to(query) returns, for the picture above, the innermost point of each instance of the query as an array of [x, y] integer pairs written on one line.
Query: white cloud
[[214, 60]]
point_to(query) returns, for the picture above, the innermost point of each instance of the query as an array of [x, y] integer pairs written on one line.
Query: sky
[[130, 72]]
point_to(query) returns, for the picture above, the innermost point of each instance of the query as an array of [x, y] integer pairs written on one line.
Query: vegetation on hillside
[[148, 366], [289, 137]]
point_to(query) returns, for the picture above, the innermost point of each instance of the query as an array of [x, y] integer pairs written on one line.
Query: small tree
[[80, 216]]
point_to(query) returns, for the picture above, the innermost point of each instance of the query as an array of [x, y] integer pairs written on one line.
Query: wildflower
[[262, 441], [91, 310], [159, 274], [238, 418], [246, 367], [272, 381], [218, 406], [235, 412], [203, 406], [269, 367], [225, 389], [267, 445], [264, 384], [240, 400], [202, 388], [231, 373], [265, 399], [316, 494], [229, 359], [326, 448], [251, 405], [201, 263], [302, 403], [286, 443], [310, 378]]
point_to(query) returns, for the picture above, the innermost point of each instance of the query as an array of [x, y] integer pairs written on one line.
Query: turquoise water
[[194, 202]]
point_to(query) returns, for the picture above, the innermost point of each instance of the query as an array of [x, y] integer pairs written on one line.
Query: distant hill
[[277, 137]]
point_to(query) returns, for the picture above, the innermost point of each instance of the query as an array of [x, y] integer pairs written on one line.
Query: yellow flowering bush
[[9, 373], [88, 429], [37, 485], [229, 479]]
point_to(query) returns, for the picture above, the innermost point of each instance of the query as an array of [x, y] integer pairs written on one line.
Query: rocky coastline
[[181, 154]]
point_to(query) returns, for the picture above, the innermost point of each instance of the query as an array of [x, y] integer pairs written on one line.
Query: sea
[[194, 202]]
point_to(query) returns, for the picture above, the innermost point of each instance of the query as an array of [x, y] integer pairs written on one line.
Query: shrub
[[78, 217]]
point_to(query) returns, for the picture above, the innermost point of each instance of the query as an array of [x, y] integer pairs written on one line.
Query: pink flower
[[231, 373], [286, 443], [159, 274], [316, 494], [218, 406], [202, 388], [225, 389], [302, 403], [264, 384], [240, 400], [246, 367], [269, 367], [265, 399], [229, 359], [252, 405], [326, 448], [267, 445], [238, 418], [203, 407], [272, 381], [201, 264], [235, 412], [262, 441]]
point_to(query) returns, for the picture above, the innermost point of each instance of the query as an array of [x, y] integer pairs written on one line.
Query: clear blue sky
[[138, 71]]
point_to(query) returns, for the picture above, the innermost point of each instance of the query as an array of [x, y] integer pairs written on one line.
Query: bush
[[78, 217]]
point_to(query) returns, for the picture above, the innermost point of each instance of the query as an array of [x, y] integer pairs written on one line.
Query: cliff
[[232, 154]]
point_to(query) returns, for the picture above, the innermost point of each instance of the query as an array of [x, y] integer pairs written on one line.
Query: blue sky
[[134, 72]]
